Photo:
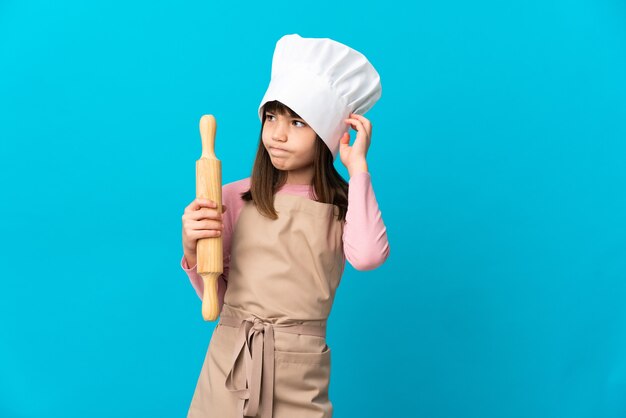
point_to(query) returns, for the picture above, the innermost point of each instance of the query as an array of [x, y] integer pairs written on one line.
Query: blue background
[[498, 158]]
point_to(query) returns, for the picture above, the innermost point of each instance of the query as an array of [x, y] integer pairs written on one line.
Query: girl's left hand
[[354, 156]]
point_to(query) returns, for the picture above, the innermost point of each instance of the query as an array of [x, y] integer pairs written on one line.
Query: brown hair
[[328, 185]]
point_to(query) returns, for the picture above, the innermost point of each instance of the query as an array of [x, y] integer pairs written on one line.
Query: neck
[[304, 177]]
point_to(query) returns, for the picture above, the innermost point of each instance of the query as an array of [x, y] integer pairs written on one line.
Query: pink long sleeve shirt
[[365, 243]]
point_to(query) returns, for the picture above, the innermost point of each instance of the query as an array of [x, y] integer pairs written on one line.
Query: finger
[[365, 121], [203, 213], [200, 202], [209, 225], [204, 234], [362, 140], [358, 124], [361, 118], [367, 126], [203, 225]]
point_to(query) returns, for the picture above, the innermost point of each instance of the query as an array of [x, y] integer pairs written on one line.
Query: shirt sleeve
[[198, 284], [365, 241]]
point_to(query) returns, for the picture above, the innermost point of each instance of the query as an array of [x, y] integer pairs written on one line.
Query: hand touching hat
[[353, 157]]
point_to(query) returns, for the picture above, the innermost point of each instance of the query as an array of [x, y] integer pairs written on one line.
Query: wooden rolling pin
[[209, 186]]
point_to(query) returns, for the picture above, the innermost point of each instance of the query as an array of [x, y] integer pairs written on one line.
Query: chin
[[279, 165]]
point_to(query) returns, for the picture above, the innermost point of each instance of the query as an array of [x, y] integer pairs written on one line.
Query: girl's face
[[290, 142]]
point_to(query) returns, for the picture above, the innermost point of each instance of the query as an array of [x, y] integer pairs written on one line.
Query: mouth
[[278, 149]]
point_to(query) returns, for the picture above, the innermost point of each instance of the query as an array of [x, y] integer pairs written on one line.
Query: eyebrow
[[288, 116]]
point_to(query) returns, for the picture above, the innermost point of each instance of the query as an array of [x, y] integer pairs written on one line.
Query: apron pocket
[[301, 383], [303, 358], [296, 357]]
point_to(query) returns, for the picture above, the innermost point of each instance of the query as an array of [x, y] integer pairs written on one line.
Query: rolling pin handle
[[207, 133]]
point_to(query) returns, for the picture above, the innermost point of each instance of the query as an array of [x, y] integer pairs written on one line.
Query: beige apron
[[268, 355]]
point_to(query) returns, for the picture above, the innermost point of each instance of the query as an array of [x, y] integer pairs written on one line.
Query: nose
[[280, 132]]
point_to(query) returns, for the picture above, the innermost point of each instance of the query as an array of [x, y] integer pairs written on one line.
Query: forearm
[[365, 234]]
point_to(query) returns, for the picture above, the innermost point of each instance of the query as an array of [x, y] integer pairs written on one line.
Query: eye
[[268, 116], [297, 121]]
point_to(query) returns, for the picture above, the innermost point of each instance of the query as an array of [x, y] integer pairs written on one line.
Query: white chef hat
[[323, 81]]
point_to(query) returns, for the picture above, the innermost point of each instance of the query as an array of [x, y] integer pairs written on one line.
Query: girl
[[287, 231]]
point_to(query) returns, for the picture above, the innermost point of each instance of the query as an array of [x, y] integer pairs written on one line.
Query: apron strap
[[255, 339]]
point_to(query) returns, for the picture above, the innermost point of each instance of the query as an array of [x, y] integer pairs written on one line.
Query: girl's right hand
[[200, 220]]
